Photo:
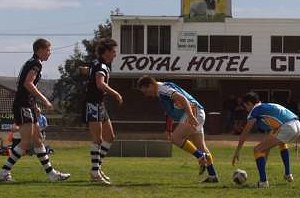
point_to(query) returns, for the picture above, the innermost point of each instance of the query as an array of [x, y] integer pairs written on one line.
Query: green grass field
[[148, 177]]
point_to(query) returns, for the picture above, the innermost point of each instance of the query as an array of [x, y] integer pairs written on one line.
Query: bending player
[[182, 107], [285, 128], [24, 110], [96, 115]]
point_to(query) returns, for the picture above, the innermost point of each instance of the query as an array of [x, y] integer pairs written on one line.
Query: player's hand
[[235, 158], [119, 98]]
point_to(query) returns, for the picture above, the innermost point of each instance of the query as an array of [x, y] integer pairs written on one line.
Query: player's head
[[42, 48], [148, 86], [106, 49], [250, 99]]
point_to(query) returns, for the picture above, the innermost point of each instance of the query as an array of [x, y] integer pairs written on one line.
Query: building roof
[[143, 17], [45, 86]]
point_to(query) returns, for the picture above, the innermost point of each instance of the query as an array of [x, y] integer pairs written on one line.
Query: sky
[[23, 21]]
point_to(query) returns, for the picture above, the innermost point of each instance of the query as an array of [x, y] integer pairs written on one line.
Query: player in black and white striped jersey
[[24, 110], [96, 115]]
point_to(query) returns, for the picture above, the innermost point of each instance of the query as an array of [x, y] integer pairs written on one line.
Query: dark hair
[[105, 44], [40, 44], [251, 97], [145, 81]]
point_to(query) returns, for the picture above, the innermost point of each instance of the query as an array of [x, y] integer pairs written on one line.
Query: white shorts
[[289, 132], [200, 115]]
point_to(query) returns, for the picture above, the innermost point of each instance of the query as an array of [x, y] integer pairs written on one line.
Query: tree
[[69, 91]]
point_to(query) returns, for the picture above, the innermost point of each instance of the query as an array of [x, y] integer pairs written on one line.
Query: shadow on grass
[[76, 183]]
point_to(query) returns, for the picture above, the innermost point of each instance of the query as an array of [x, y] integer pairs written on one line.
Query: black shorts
[[23, 115], [96, 112]]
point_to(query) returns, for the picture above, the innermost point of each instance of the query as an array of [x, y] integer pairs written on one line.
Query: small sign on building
[[187, 41]]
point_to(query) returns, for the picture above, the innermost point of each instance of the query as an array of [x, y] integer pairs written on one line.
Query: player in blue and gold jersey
[[285, 128], [185, 109]]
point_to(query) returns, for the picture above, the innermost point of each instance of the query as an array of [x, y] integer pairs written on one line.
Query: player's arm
[[29, 85], [243, 137], [101, 85], [180, 99]]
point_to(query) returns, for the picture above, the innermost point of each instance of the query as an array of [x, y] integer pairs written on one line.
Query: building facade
[[212, 60]]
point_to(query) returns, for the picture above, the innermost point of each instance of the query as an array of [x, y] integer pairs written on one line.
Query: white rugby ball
[[239, 176]]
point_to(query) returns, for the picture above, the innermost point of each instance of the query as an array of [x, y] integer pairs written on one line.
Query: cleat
[[104, 176], [100, 179], [211, 179], [55, 176], [288, 178], [202, 169], [261, 184], [5, 177]]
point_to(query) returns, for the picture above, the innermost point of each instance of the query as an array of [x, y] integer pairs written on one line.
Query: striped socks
[[104, 148], [16, 154], [42, 155]]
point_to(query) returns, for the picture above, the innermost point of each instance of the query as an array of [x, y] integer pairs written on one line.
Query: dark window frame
[[214, 44], [162, 43], [133, 44]]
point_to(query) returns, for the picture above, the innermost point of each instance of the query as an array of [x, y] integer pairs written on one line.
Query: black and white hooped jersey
[[23, 97], [95, 95]]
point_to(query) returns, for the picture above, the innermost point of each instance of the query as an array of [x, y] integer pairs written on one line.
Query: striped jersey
[[94, 95]]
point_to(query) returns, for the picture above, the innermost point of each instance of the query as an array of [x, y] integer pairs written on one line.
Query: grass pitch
[[148, 177]]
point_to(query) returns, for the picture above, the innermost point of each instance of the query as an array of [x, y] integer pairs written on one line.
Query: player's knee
[[283, 147], [177, 140], [258, 153]]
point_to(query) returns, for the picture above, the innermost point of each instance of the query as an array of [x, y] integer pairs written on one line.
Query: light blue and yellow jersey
[[165, 93], [271, 115]]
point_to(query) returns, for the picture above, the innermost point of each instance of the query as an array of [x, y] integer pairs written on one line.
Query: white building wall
[[258, 62]]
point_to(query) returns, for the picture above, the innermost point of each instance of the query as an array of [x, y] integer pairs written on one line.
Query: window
[[202, 44], [291, 44], [276, 44], [165, 40], [221, 44], [132, 39], [153, 40], [224, 44], [246, 44], [285, 44], [159, 40]]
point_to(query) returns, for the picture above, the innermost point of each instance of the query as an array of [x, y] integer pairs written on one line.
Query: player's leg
[[108, 137], [95, 128], [288, 132], [199, 141], [180, 139], [42, 155], [260, 154], [285, 156], [24, 118], [17, 151]]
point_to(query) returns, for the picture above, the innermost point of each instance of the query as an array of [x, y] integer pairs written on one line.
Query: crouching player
[[285, 128], [182, 107]]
